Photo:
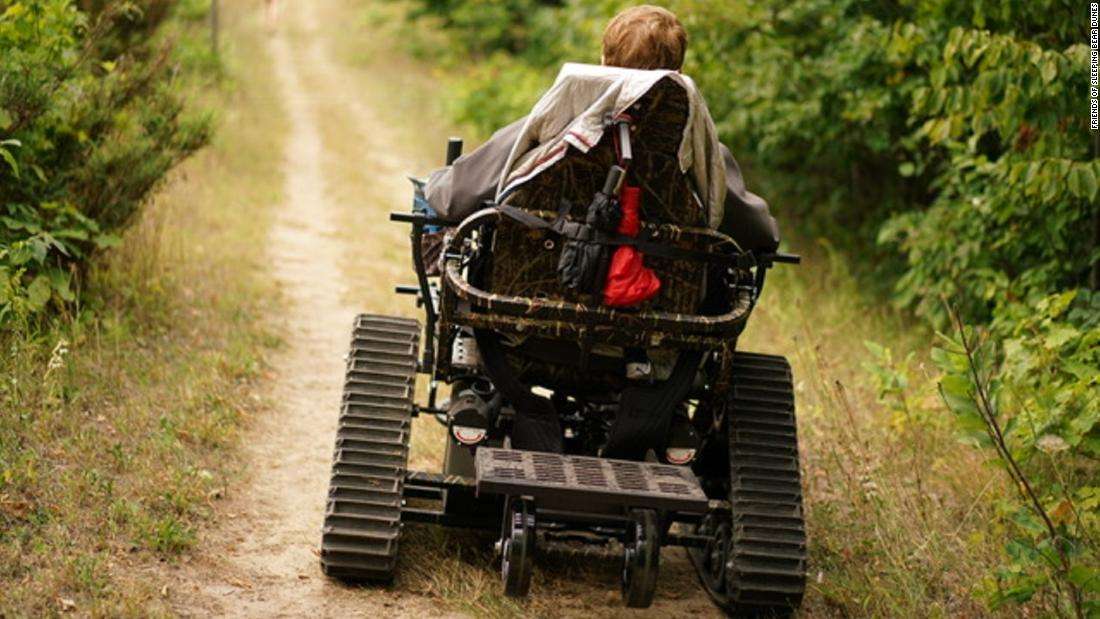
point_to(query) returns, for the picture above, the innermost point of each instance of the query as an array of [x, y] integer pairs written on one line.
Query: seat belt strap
[[651, 248]]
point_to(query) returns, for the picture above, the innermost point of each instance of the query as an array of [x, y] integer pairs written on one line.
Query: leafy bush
[[1034, 406], [89, 122]]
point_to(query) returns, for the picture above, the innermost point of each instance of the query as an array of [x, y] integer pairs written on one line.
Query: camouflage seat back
[[525, 261]]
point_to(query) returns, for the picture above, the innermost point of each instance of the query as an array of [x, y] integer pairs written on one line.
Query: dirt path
[[260, 559]]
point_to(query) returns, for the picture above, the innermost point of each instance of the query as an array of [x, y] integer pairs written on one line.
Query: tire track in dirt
[[260, 559]]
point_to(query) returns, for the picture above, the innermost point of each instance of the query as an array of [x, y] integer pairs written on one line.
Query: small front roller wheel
[[716, 554], [517, 547], [641, 559]]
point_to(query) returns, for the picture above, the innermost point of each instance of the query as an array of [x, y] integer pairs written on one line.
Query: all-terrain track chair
[[547, 438]]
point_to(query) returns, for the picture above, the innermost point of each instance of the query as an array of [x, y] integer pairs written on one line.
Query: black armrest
[[418, 218], [780, 257]]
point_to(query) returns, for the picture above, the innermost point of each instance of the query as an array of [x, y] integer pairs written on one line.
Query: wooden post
[[214, 25]]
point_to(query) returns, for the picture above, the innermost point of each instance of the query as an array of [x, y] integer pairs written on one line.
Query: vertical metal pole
[[454, 150], [215, 25]]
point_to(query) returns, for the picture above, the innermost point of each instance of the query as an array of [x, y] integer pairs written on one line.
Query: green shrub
[[1030, 401], [89, 122]]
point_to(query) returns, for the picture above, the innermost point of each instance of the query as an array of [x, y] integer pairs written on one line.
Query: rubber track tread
[[768, 551], [363, 512], [766, 570]]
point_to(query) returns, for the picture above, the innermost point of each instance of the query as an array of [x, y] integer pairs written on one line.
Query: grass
[[115, 419], [900, 514]]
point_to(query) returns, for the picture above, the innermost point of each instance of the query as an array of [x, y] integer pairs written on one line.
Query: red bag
[[629, 282]]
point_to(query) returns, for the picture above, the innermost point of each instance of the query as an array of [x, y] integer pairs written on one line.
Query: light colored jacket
[[456, 191], [574, 113]]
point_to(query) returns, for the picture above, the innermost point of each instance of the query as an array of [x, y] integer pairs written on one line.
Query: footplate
[[588, 484]]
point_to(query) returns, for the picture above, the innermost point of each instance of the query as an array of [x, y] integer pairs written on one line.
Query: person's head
[[645, 37]]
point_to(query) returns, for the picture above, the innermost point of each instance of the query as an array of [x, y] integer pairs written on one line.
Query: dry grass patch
[[112, 419], [900, 514]]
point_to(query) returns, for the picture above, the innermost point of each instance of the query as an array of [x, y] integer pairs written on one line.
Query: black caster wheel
[[517, 547], [641, 559], [716, 554]]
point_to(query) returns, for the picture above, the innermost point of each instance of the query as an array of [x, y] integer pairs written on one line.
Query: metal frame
[[471, 306], [584, 515]]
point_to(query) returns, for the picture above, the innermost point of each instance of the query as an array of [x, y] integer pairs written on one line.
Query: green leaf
[[1080, 371], [61, 282], [1089, 180], [877, 350], [971, 424], [10, 159], [71, 233], [1056, 304], [1051, 188], [1076, 183], [20, 254], [958, 394], [40, 247], [1049, 70], [1059, 336], [38, 293], [1082, 181], [955, 385], [105, 241], [1028, 521], [1087, 578], [907, 169], [5, 119]]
